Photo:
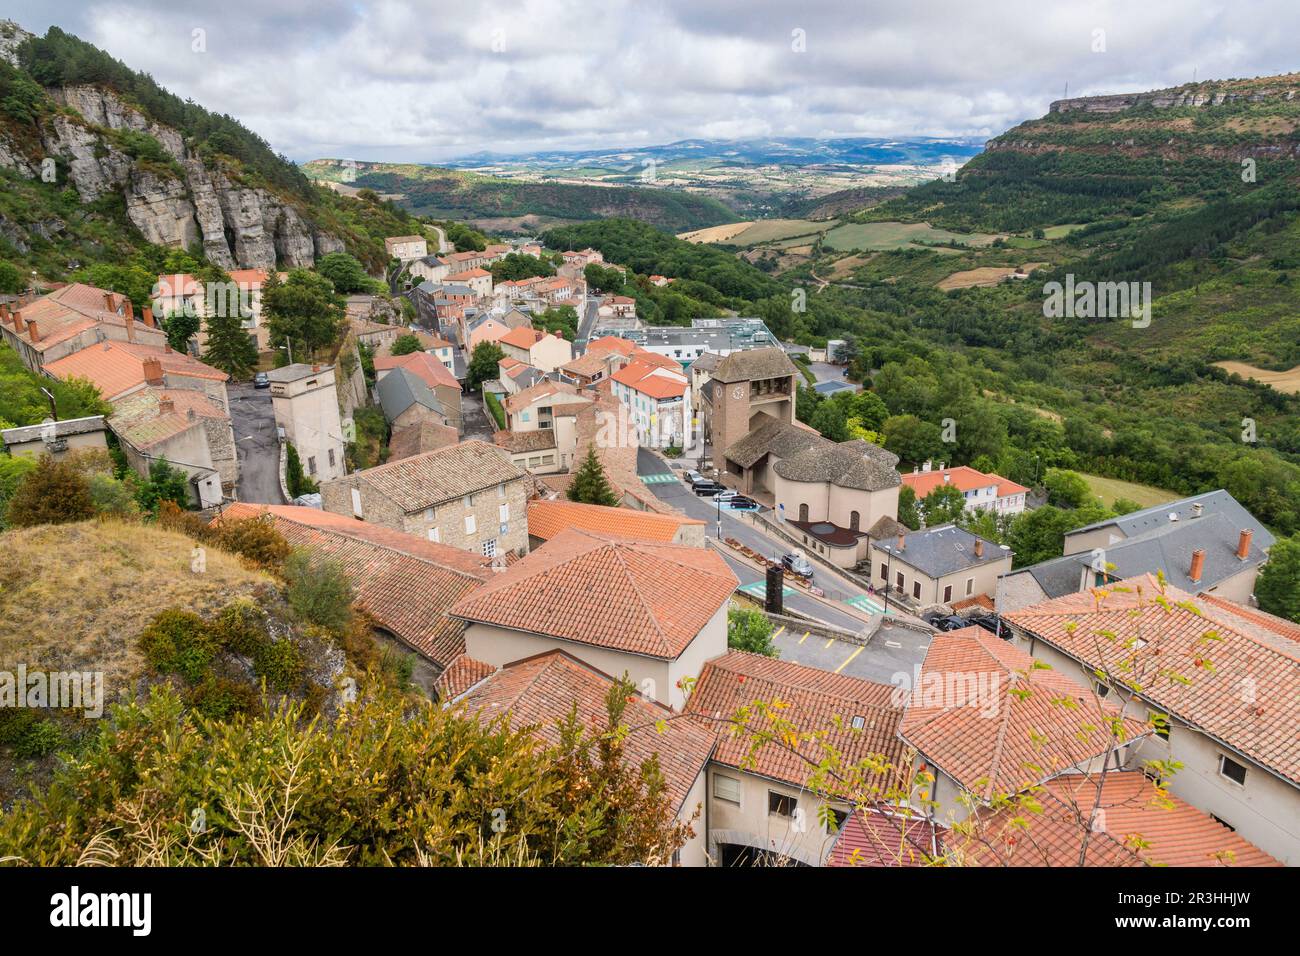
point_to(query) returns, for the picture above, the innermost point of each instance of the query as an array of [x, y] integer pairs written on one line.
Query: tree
[[515, 266], [1124, 506], [230, 347], [560, 319], [165, 484], [1066, 489], [911, 439], [180, 328], [318, 590], [943, 505], [405, 344], [303, 310], [1278, 585], [590, 485], [12, 280], [1040, 534], [483, 365], [748, 629], [294, 477], [55, 492], [830, 420], [907, 513], [345, 272]]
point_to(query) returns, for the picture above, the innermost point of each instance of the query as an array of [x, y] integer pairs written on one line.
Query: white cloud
[[423, 81]]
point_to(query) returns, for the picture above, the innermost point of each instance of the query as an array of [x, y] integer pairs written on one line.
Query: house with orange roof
[[985, 491], [184, 428], [549, 517], [404, 582], [406, 248], [242, 295], [484, 328], [544, 351], [1230, 693], [617, 307], [433, 373], [118, 369], [652, 610], [760, 805], [71, 318], [478, 279], [540, 692], [657, 399], [552, 407], [534, 451]]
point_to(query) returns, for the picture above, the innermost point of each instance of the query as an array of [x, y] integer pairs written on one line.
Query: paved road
[[258, 449], [474, 419], [893, 650], [585, 324]]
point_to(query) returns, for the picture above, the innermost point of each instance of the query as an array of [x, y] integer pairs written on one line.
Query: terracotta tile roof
[[815, 699], [979, 600], [475, 273], [563, 393], [877, 838], [586, 364], [546, 519], [404, 582], [73, 309], [422, 481], [251, 278], [1250, 620], [177, 285], [540, 439], [1178, 833], [461, 674], [1260, 725], [421, 364], [646, 357], [611, 343], [419, 437], [522, 337], [140, 419], [984, 716], [639, 597], [648, 380], [541, 691], [116, 367], [963, 478]]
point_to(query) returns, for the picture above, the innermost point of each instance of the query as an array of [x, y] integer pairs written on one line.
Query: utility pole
[[54, 408]]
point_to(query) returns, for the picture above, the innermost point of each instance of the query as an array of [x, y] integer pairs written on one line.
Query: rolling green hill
[[454, 194]]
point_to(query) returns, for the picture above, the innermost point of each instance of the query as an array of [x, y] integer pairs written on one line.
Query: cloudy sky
[[427, 81]]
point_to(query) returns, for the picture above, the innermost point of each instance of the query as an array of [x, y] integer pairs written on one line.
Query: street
[[253, 419]]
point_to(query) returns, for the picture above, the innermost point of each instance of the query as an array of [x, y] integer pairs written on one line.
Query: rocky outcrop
[[238, 226], [1166, 99], [11, 37]]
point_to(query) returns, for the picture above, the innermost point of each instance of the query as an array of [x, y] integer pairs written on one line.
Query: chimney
[[33, 333], [1197, 508], [17, 319], [928, 465], [167, 346], [902, 542], [979, 547], [315, 368], [108, 302], [946, 478], [147, 313], [130, 310], [1198, 565], [1243, 544], [4, 311], [166, 406], [129, 322], [153, 373]]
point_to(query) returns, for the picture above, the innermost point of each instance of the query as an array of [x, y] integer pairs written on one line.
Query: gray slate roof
[[774, 436], [400, 389], [854, 464], [62, 429], [1212, 502], [752, 364], [943, 549]]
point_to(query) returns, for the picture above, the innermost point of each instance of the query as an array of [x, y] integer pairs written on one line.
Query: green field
[[1108, 489], [776, 230], [877, 236]]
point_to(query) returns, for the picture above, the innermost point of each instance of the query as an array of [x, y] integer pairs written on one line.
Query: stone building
[[307, 408], [468, 495], [748, 387]]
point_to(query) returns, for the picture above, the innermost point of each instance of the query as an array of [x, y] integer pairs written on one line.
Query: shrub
[[178, 642], [173, 517], [255, 539], [221, 698], [240, 628], [281, 663], [318, 590], [42, 738], [749, 630], [54, 493]]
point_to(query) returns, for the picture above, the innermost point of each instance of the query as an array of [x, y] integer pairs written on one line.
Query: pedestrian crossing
[[658, 478], [864, 603], [758, 589]]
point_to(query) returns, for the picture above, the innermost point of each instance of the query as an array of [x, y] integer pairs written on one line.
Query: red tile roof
[[421, 364], [1260, 724], [1132, 812], [611, 343], [963, 478], [522, 337], [563, 393], [638, 597], [984, 716], [117, 367], [646, 380], [548, 518], [141, 420], [541, 691], [816, 701], [72, 309], [879, 838], [1249, 619], [428, 479], [461, 674], [404, 582]]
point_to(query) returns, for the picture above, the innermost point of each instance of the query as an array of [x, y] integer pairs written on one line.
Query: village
[[566, 495]]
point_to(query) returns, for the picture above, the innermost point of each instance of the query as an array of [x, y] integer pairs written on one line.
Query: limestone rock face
[[239, 227]]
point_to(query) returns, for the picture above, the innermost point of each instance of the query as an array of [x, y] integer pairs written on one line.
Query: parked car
[[796, 562], [707, 488], [727, 494], [947, 622], [993, 624], [741, 503], [692, 476], [261, 380]]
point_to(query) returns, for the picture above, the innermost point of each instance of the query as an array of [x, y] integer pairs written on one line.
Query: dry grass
[[716, 233], [1288, 381], [984, 276], [74, 597]]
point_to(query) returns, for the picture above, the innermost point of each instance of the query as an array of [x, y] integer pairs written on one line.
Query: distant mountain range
[[792, 151]]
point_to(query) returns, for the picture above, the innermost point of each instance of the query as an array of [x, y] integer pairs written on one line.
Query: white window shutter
[[505, 513], [470, 526]]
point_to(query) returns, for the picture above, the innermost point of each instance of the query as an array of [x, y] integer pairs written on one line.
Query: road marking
[[892, 644], [805, 636], [829, 643], [779, 631], [848, 659], [864, 603]]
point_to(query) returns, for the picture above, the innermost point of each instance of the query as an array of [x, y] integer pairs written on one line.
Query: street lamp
[[289, 346]]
